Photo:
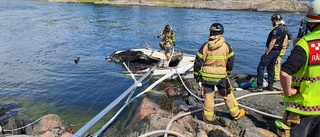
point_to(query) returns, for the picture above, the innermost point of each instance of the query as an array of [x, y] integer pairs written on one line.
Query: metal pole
[[128, 101], [94, 120]]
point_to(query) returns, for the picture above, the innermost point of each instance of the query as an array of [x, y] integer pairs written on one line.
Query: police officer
[[274, 46], [213, 62], [300, 80], [168, 40], [285, 45]]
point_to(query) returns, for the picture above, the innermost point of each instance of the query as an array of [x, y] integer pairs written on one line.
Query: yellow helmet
[[313, 14]]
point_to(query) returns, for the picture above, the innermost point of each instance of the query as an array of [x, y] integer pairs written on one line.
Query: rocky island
[[250, 5]]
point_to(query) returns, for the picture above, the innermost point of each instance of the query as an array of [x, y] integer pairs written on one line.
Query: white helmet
[[313, 14]]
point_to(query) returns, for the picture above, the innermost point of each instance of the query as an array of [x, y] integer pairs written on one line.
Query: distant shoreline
[[246, 5]]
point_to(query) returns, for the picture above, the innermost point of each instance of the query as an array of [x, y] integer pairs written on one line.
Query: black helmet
[[276, 17], [168, 28], [216, 28]]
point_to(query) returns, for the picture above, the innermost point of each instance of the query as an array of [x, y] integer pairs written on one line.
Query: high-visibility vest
[[307, 79]]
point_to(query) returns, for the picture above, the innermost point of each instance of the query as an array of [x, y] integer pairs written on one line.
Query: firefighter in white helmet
[[300, 80]]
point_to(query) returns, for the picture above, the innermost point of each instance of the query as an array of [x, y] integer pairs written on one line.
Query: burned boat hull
[[139, 61]]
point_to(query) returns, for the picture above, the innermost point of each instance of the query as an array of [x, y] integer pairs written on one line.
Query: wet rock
[[171, 91], [48, 134], [258, 132], [211, 130], [158, 109], [154, 116], [67, 135], [13, 125], [2, 111], [51, 124], [149, 107], [11, 110]]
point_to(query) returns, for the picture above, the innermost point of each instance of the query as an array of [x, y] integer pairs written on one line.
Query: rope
[[25, 125], [162, 131], [88, 110], [260, 112], [92, 105], [219, 104], [187, 87]]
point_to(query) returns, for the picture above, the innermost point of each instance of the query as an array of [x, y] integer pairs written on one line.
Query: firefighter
[[285, 45], [168, 40], [213, 63], [268, 59], [300, 80]]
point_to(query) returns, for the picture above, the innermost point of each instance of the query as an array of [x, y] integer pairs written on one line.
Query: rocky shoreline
[[158, 109], [250, 5], [171, 107], [174, 109]]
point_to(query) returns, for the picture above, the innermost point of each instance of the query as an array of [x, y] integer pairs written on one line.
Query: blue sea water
[[39, 42]]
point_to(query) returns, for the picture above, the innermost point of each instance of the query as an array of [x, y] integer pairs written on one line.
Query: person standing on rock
[[168, 40], [213, 63], [300, 80], [285, 45], [269, 58]]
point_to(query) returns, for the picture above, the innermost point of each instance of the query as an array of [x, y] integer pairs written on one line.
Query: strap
[[205, 52]]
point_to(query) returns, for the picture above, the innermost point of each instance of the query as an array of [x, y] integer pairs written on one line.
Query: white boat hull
[[163, 67]]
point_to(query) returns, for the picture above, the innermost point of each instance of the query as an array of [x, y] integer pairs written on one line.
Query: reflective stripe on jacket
[[214, 60], [168, 36], [307, 79]]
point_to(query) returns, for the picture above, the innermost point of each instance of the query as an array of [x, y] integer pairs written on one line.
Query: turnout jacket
[[168, 36], [214, 60]]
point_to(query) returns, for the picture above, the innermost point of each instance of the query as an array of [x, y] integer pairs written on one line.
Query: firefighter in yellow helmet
[[300, 80], [213, 62], [168, 40]]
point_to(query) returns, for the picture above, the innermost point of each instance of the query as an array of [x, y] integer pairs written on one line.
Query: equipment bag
[[224, 87]]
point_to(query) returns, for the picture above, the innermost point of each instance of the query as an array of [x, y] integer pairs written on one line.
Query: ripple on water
[[41, 40]]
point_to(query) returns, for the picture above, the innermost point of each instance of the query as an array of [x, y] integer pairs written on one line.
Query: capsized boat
[[139, 61]]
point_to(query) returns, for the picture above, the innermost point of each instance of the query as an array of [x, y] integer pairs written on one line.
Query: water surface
[[40, 40]]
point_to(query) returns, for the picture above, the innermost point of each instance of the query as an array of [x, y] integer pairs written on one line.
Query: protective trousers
[[167, 46], [277, 66], [161, 44], [232, 104], [295, 125], [208, 108]]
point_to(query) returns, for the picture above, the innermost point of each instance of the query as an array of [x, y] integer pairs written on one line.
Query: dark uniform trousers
[[267, 61], [311, 123]]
